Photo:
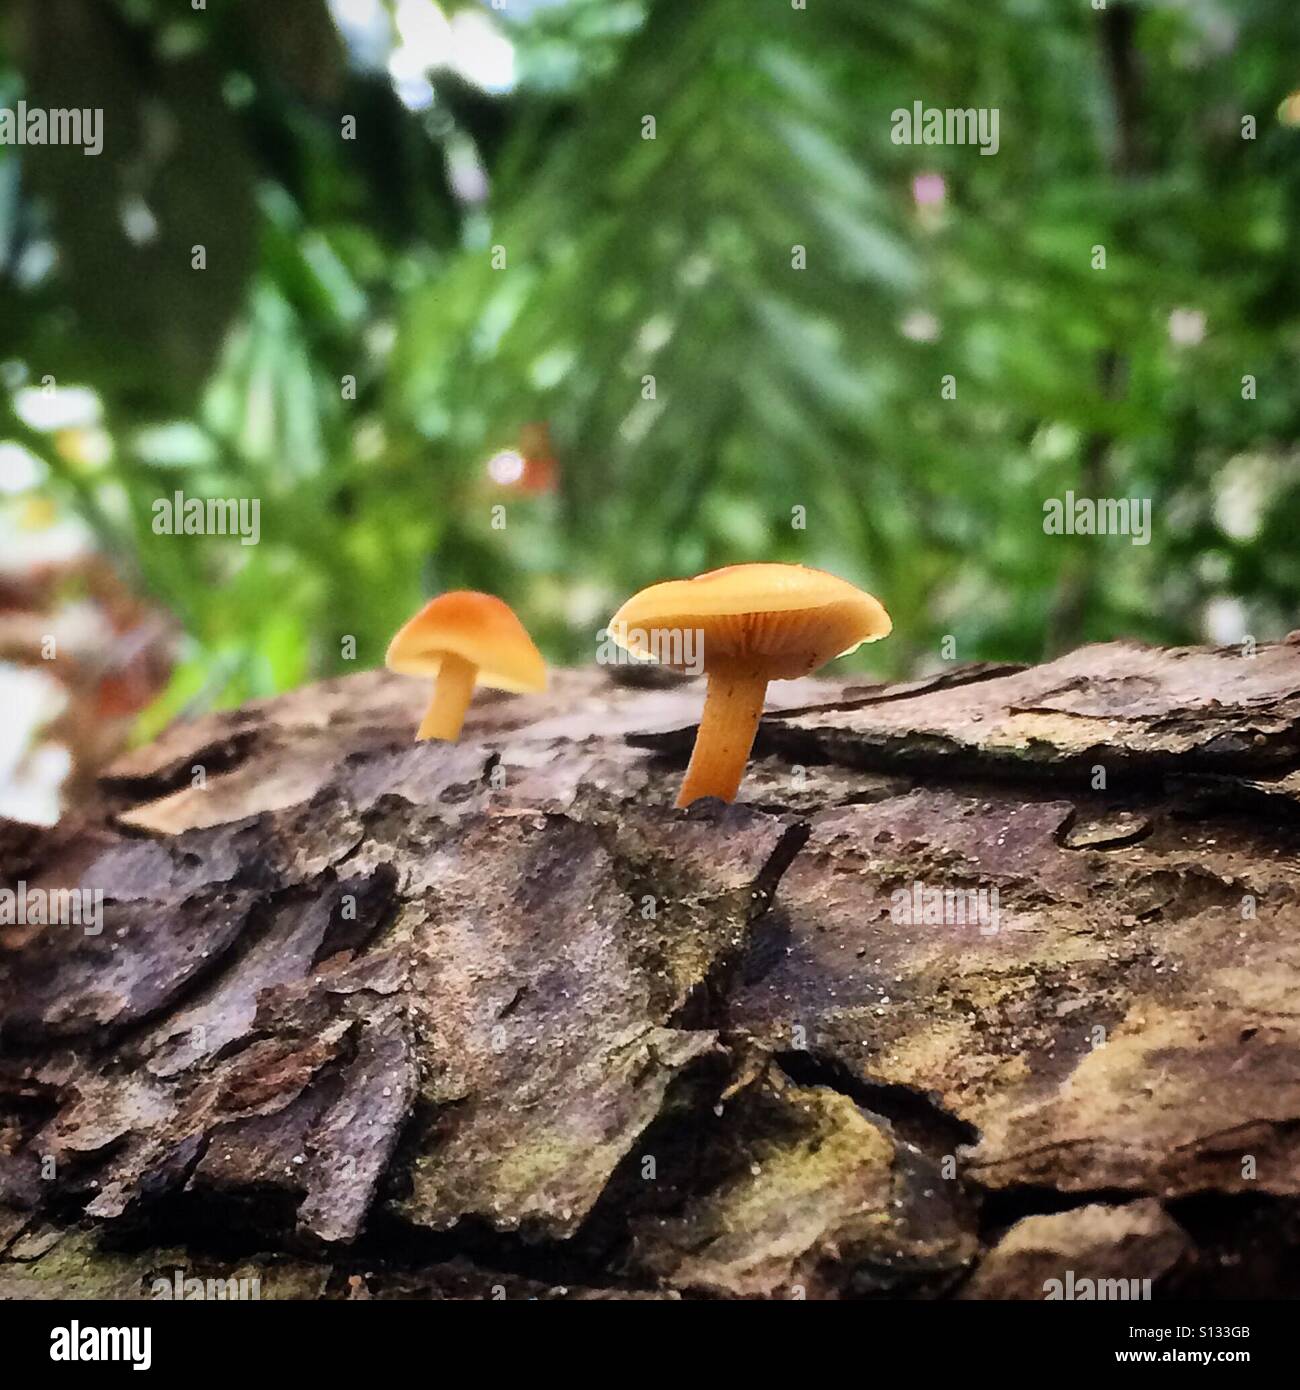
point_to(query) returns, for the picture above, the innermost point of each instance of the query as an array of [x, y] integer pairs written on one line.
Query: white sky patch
[[584, 605], [1187, 327], [1243, 489], [481, 52], [357, 14], [366, 28], [138, 221], [425, 32], [654, 333], [38, 258], [921, 326], [470, 43], [1224, 620], [414, 90], [426, 43]]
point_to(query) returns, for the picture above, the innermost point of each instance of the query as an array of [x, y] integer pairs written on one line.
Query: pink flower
[[929, 190]]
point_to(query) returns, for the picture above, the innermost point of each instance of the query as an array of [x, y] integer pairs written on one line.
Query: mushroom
[[752, 624], [464, 638]]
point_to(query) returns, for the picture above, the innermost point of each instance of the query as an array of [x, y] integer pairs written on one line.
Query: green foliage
[[775, 388]]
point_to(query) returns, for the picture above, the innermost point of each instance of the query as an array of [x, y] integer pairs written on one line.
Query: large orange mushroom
[[753, 624], [462, 639]]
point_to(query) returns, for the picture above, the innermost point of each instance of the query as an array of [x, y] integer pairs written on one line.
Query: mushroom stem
[[732, 709], [451, 692]]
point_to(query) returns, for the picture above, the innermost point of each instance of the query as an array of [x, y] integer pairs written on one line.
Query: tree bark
[[370, 1018]]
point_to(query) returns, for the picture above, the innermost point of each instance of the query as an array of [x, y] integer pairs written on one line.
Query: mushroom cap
[[782, 621], [478, 627]]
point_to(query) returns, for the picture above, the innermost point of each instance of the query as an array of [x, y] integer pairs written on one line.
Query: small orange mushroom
[[753, 624], [464, 638]]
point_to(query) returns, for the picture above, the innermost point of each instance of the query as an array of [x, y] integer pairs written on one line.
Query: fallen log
[[986, 978]]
